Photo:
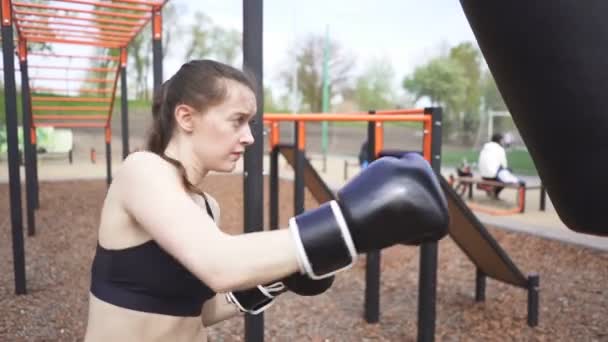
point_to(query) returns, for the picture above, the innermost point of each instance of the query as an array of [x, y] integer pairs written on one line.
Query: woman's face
[[222, 133]]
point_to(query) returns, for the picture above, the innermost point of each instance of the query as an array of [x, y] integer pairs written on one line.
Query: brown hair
[[199, 84]]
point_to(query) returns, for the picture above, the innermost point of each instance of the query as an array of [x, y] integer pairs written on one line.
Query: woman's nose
[[247, 137]]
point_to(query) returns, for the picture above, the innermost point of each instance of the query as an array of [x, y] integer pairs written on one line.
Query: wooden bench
[[465, 184]]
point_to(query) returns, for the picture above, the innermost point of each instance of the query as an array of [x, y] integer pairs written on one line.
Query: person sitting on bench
[[493, 165]]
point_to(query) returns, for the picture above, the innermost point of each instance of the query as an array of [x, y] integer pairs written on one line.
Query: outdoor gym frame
[[33, 25], [431, 118]]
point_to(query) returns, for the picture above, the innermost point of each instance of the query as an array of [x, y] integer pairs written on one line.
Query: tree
[[140, 58], [441, 80], [226, 45], [492, 99], [308, 56], [200, 37], [469, 58], [373, 89]]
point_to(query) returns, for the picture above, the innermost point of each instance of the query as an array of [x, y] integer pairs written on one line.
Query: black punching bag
[[550, 61]]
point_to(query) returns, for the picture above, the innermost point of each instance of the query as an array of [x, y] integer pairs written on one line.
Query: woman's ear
[[184, 116]]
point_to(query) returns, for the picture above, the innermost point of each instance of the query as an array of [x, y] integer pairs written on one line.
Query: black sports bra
[[146, 278]]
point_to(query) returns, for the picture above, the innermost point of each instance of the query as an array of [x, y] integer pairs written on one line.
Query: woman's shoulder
[[146, 165]]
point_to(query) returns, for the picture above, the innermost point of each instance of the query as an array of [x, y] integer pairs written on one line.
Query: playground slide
[[465, 229], [477, 243], [312, 180]]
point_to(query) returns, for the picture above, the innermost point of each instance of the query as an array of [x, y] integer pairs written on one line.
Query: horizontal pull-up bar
[[70, 117], [70, 124], [58, 67], [73, 24], [101, 36], [143, 2], [59, 55], [129, 23], [346, 117], [70, 99], [71, 108], [64, 90], [78, 10], [106, 5], [41, 39], [91, 80], [64, 30]]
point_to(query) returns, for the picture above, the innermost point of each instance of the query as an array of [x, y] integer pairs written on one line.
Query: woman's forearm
[[251, 259], [218, 309]]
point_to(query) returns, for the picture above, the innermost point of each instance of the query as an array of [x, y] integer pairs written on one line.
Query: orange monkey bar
[[345, 117], [81, 90], [60, 55], [70, 99], [70, 108], [397, 115], [69, 117]]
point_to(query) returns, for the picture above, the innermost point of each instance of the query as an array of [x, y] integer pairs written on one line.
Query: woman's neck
[[195, 170]]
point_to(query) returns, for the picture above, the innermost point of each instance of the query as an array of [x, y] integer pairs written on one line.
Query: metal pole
[[274, 188], [157, 49], [124, 104], [10, 108], [108, 156], [372, 259], [254, 156], [427, 291], [30, 183], [298, 191]]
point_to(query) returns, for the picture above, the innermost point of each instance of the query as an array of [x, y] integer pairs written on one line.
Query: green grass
[[519, 160]]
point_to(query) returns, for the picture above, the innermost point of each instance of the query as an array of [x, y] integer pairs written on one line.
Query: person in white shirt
[[493, 163]]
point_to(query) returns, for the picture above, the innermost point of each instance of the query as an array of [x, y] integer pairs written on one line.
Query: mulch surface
[[573, 282]]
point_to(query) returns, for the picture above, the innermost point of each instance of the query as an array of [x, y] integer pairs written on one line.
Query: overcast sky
[[405, 31]]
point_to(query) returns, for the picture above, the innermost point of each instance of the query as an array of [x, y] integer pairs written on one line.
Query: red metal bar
[[109, 37], [105, 4], [108, 123], [70, 108], [379, 143], [426, 142], [78, 10], [142, 2], [108, 134], [6, 13], [84, 90], [58, 67], [22, 51], [82, 38], [123, 57], [70, 99], [302, 136], [70, 124], [72, 24], [59, 55], [275, 134], [129, 23], [60, 30], [40, 39], [91, 80], [345, 117], [401, 111], [157, 25], [69, 117]]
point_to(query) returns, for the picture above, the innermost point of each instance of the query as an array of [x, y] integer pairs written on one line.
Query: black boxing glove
[[393, 200]]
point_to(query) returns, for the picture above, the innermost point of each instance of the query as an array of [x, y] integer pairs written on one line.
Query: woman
[[162, 266], [183, 146]]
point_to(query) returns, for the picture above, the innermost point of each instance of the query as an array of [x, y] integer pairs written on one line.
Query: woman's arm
[[218, 309], [152, 193]]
